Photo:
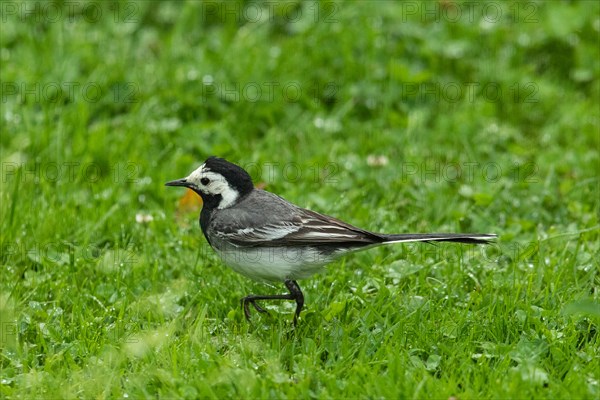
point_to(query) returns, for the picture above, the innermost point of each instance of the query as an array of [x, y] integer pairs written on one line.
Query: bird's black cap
[[235, 175]]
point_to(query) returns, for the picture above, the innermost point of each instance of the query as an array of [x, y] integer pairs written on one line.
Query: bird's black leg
[[295, 294]]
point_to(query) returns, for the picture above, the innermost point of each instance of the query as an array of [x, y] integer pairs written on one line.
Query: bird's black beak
[[179, 182]]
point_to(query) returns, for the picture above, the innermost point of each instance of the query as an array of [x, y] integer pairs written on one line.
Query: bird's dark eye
[[205, 181]]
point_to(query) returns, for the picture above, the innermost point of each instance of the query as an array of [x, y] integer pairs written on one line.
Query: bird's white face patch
[[213, 183]]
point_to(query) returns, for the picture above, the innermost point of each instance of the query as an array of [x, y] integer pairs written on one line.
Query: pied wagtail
[[269, 239]]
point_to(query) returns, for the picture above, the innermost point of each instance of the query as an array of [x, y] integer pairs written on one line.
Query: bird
[[268, 239]]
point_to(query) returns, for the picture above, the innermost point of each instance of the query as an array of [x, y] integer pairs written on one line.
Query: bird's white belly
[[273, 263]]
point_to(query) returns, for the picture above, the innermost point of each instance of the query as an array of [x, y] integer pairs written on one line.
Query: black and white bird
[[268, 239]]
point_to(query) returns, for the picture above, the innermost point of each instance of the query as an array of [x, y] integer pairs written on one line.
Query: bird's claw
[[246, 301]]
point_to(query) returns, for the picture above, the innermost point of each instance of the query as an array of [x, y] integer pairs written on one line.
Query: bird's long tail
[[472, 238]]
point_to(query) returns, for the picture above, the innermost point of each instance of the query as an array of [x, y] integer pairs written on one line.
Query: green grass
[[489, 123]]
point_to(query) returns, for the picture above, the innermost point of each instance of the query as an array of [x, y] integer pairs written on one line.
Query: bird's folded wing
[[306, 229]]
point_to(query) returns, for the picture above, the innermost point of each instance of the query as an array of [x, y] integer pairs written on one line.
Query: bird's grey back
[[257, 209]]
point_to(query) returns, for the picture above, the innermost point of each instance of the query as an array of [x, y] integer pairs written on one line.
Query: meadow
[[435, 116]]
